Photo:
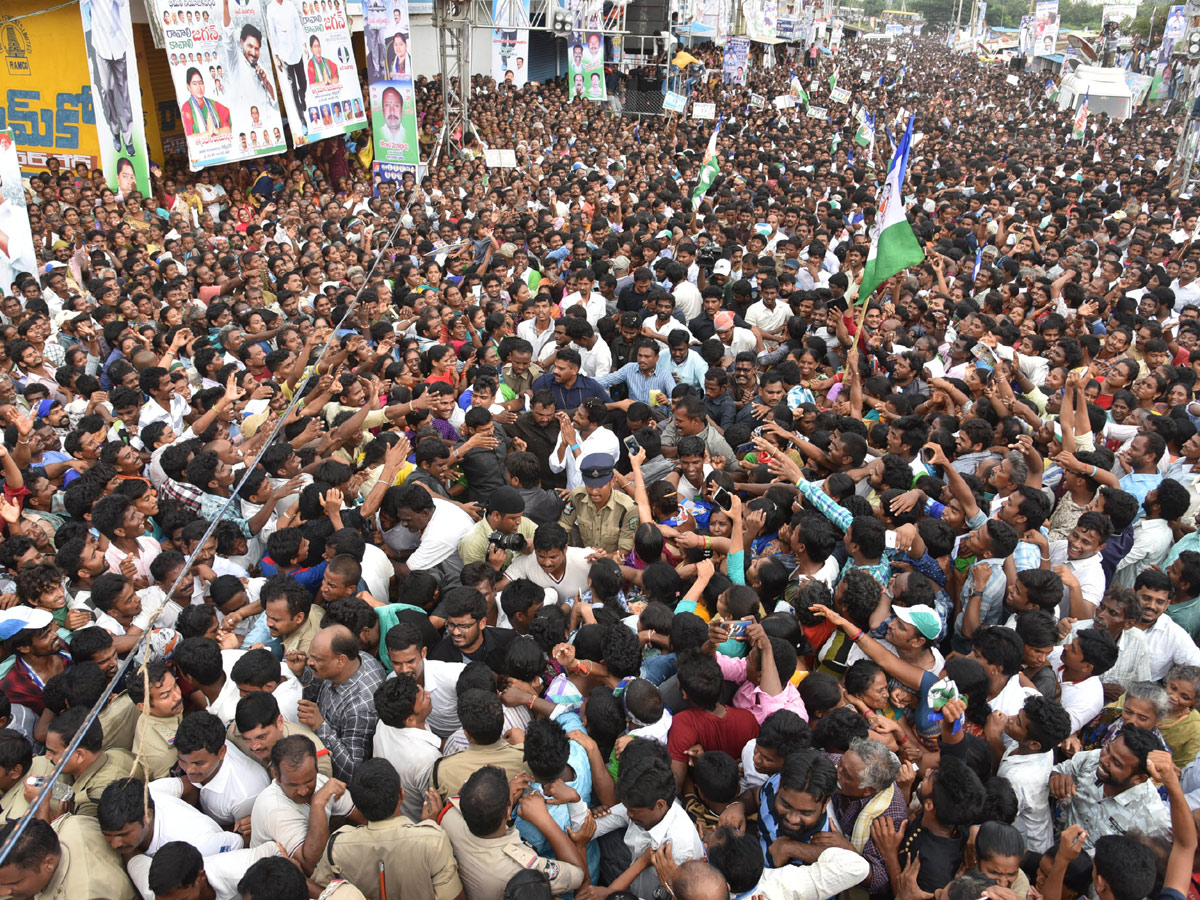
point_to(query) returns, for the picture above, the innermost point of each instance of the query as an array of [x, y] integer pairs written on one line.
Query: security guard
[[413, 860], [90, 768], [17, 763], [597, 516], [65, 861]]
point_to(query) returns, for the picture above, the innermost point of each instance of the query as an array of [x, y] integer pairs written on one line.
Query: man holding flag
[[710, 168], [894, 247]]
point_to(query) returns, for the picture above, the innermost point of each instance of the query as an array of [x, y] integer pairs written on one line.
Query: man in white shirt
[[1186, 287], [1027, 763], [164, 404], [1166, 642], [583, 443], [586, 296], [1078, 666], [171, 871], [1152, 535], [111, 29], [1084, 566], [553, 564], [435, 528], [245, 77], [229, 781], [287, 41], [407, 653], [403, 738], [539, 330], [132, 829], [295, 810]]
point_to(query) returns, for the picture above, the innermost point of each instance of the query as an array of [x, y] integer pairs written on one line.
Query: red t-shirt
[[729, 733]]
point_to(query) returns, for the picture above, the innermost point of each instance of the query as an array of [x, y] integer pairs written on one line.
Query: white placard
[[784, 101], [818, 112], [500, 159], [864, 76], [758, 101], [839, 95], [673, 102], [1012, 79], [704, 110]]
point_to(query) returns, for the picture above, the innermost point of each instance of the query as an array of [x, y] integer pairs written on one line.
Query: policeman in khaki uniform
[[489, 849], [119, 720], [162, 711], [417, 857], [90, 768], [68, 861], [15, 750], [597, 516]]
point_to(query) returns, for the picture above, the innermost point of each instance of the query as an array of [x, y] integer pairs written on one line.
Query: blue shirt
[[572, 397], [639, 385], [691, 371], [1140, 486]]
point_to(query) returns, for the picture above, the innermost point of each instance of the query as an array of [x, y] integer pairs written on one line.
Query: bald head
[[334, 654], [697, 880]]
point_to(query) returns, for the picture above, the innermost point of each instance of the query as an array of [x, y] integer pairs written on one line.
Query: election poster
[[310, 43], [221, 69], [510, 42], [112, 64], [761, 16], [585, 66], [733, 68], [1173, 34], [1046, 27], [673, 102], [390, 87], [1117, 12], [16, 239], [704, 111], [713, 14], [1025, 37]]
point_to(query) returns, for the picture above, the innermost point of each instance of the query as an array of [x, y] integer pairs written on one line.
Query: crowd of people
[[539, 531]]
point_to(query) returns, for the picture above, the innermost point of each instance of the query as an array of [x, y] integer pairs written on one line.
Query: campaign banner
[[818, 112], [1175, 30], [112, 64], [1045, 27], [758, 101], [713, 14], [784, 101], [16, 238], [390, 84], [761, 16], [839, 95], [1012, 79], [1117, 12], [221, 69], [510, 42], [1139, 86], [785, 29], [835, 35], [733, 68], [310, 44], [1025, 37], [674, 102], [704, 110], [585, 66]]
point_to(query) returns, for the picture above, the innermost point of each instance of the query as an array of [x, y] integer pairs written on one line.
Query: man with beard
[[1109, 791]]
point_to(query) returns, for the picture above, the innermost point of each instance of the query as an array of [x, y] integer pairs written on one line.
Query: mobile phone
[[889, 539], [743, 449], [737, 629], [632, 445], [757, 432], [722, 498]]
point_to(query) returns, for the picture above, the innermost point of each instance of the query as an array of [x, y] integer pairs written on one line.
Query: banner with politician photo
[[310, 44], [221, 66], [510, 42], [585, 66], [733, 66], [390, 79], [112, 65], [16, 238]]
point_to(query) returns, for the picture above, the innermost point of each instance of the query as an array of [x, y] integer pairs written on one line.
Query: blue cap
[[596, 469]]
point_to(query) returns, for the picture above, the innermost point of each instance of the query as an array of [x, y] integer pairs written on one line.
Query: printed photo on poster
[[1046, 27], [310, 44], [386, 35], [16, 238], [585, 66], [733, 68], [112, 64], [221, 66], [510, 42], [1175, 29]]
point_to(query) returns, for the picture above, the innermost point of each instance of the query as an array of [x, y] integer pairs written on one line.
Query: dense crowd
[[536, 531]]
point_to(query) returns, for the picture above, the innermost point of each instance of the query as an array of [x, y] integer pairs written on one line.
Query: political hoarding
[[112, 63], [673, 102], [1045, 27], [221, 72], [761, 16], [1176, 28], [585, 66], [1117, 12], [16, 239], [310, 44], [1025, 36], [733, 68], [386, 33], [510, 42]]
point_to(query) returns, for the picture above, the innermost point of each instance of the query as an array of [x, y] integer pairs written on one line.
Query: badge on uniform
[[569, 507]]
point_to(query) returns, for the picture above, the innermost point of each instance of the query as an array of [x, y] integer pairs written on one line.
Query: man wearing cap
[[736, 340], [31, 635], [597, 516], [505, 516]]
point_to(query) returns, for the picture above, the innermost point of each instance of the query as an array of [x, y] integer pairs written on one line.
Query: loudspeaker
[[647, 17]]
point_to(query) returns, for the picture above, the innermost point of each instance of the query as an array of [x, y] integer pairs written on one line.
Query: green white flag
[[709, 169], [833, 80], [798, 92], [894, 246]]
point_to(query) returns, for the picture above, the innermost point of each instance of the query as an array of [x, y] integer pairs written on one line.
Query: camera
[[707, 256], [501, 541]]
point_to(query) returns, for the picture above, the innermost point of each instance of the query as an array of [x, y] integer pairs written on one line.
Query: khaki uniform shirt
[[88, 867], [418, 858], [303, 636], [474, 545], [155, 755], [324, 761], [107, 768], [13, 804], [609, 528], [486, 864], [450, 773], [119, 720]]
